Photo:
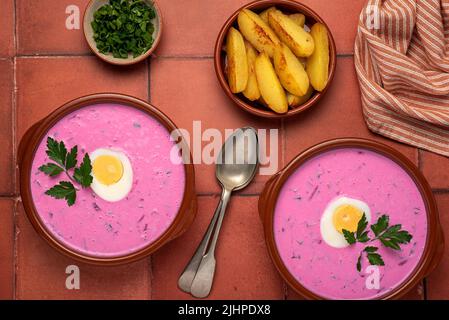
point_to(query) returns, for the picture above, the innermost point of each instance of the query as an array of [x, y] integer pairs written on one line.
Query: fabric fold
[[401, 58]]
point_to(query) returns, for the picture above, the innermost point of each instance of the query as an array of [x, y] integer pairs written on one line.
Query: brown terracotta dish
[[255, 107], [88, 17], [350, 175], [159, 205]]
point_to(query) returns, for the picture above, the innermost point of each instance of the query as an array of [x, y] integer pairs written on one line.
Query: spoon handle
[[204, 277], [187, 276]]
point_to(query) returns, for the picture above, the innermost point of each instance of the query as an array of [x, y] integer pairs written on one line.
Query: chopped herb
[[124, 26], [66, 161], [391, 237]]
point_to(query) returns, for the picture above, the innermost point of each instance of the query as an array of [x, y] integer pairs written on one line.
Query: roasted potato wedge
[[252, 89], [264, 14], [237, 62], [317, 66], [290, 70], [295, 37], [270, 87], [294, 101], [257, 32], [297, 18]]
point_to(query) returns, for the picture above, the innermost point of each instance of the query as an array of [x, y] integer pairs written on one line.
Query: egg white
[[120, 189], [329, 234]]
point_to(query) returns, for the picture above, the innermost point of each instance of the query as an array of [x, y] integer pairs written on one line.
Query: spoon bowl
[[238, 159]]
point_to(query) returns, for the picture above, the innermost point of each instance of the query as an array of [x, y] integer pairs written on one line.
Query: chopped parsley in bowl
[[122, 31]]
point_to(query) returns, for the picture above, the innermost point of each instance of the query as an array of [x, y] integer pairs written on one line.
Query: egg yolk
[[347, 217], [107, 169]]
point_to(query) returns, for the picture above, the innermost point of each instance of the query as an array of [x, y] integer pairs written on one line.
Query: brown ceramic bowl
[[33, 137], [433, 250], [255, 107], [92, 7]]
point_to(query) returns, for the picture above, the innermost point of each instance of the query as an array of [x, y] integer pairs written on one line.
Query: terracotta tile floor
[[44, 64]]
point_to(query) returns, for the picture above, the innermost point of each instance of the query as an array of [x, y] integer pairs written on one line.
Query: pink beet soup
[[96, 227], [356, 173]]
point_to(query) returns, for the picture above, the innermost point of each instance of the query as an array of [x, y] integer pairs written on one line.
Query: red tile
[[339, 114], [42, 27], [41, 272], [7, 48], [342, 17], [187, 91], [184, 35], [244, 269], [292, 295], [44, 84], [416, 293], [435, 169], [6, 249], [6, 110], [191, 27], [438, 281]]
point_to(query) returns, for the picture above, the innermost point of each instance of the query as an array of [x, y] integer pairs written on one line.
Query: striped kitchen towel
[[402, 63]]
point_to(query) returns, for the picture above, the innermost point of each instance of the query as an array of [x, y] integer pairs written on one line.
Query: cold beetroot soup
[[331, 192], [138, 182]]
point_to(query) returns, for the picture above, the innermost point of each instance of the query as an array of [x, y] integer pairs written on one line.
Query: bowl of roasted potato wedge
[[275, 59]]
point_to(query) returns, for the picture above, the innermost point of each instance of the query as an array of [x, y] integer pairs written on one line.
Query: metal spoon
[[236, 167]]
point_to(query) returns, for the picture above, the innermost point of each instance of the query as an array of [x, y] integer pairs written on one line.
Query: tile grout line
[[181, 56], [16, 233], [54, 55], [168, 56], [14, 153], [149, 80], [440, 190]]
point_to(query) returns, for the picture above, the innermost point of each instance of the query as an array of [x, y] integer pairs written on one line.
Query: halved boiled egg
[[112, 174], [342, 213]]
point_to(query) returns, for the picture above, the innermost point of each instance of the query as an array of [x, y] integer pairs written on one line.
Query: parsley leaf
[[51, 169], [363, 237], [360, 235], [371, 249], [394, 236], [375, 259], [349, 236], [63, 190], [391, 237], [65, 161], [361, 226], [56, 151], [380, 225], [359, 262], [82, 174], [70, 161]]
